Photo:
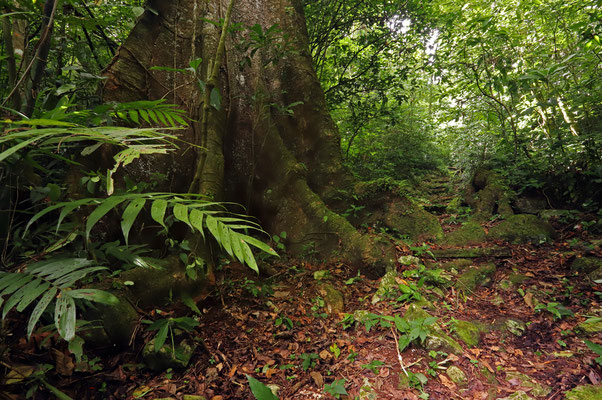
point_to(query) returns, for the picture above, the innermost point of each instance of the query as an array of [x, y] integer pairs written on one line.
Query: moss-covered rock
[[475, 276], [517, 279], [409, 260], [537, 389], [388, 283], [470, 233], [167, 356], [469, 332], [156, 287], [334, 302], [413, 221], [584, 392], [118, 323], [436, 338], [456, 375], [515, 327], [586, 265], [457, 265], [475, 252], [489, 193], [523, 228], [367, 392], [530, 204]]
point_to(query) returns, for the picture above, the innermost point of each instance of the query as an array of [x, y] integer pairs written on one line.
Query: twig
[[399, 358]]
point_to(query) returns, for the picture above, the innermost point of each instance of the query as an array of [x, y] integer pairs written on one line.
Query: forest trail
[[510, 324]]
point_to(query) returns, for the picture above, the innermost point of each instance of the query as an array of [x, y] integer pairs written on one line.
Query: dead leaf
[[232, 371], [18, 373], [476, 352], [282, 294], [64, 363], [529, 300], [325, 354], [486, 364], [217, 398], [318, 379], [446, 382]]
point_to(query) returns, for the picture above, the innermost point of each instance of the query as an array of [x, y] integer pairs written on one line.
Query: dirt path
[[507, 326]]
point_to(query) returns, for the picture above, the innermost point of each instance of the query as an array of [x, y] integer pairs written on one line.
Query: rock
[[515, 327], [469, 332], [517, 279], [333, 299], [167, 357], [388, 283], [411, 220], [584, 392], [409, 260], [457, 265], [157, 287], [118, 322], [493, 194], [436, 338], [530, 204], [596, 275], [321, 275], [456, 375], [475, 276], [497, 300], [495, 251], [537, 389], [586, 265], [523, 228], [520, 395], [470, 233], [367, 391]]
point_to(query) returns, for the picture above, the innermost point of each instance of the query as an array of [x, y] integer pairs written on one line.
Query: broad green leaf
[[161, 337], [259, 244], [196, 219], [180, 212], [249, 257], [260, 390], [107, 205], [32, 295], [99, 296], [64, 316], [39, 309], [227, 236], [18, 296], [158, 211], [211, 223], [129, 216], [133, 114]]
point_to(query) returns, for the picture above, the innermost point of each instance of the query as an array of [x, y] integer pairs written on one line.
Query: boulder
[[523, 228], [470, 233], [584, 392]]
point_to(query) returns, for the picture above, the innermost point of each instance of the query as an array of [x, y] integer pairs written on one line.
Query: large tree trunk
[[285, 168]]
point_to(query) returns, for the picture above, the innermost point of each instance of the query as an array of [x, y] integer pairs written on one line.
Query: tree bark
[[281, 149]]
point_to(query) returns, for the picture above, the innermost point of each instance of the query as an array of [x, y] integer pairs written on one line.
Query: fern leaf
[[129, 216], [100, 211], [39, 309]]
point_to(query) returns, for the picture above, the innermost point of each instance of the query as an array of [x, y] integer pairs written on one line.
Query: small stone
[[506, 285], [520, 395], [456, 375], [167, 357], [475, 276], [515, 327], [387, 283], [497, 300], [584, 392], [333, 299], [409, 260], [470, 233], [193, 397], [517, 279]]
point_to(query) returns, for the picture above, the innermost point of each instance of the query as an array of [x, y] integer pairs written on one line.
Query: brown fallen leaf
[[529, 300], [232, 371], [446, 382], [317, 378], [64, 363], [325, 354]]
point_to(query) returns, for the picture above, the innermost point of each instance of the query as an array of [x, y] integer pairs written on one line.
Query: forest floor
[[518, 327]]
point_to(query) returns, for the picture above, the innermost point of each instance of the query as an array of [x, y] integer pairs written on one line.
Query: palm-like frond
[[45, 281]]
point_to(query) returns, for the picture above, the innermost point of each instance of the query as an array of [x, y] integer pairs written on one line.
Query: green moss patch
[[585, 392], [468, 234]]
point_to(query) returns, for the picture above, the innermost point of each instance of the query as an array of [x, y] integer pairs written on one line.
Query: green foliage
[[556, 309], [373, 366], [336, 388], [46, 281], [260, 390], [165, 327], [309, 360], [596, 348]]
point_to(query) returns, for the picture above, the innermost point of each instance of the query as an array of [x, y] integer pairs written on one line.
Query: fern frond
[[47, 280], [229, 230]]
